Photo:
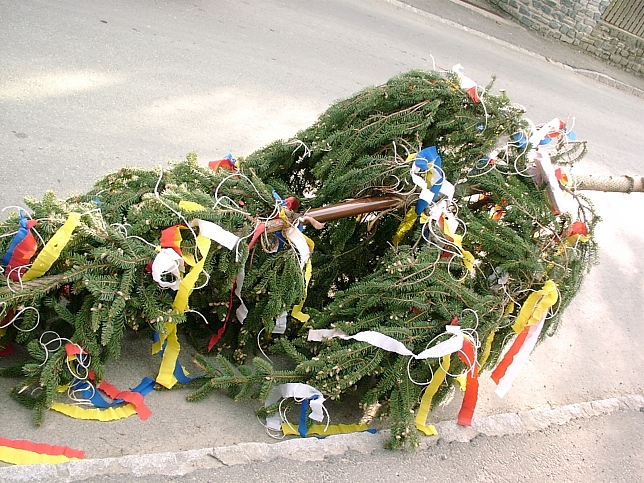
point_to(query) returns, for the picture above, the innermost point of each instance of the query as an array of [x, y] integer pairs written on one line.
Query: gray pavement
[[86, 89]]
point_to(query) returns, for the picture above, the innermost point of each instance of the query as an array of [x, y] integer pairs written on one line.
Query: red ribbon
[[472, 385], [502, 367], [215, 338], [42, 448], [8, 350], [222, 163], [135, 398], [171, 238], [22, 248]]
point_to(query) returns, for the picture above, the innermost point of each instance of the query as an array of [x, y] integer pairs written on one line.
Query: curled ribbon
[[170, 371]]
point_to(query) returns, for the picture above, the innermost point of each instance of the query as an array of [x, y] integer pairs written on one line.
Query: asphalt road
[[87, 87]]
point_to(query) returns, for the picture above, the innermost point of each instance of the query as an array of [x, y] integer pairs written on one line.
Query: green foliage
[[99, 288]]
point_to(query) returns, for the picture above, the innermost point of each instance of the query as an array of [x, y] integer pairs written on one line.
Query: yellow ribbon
[[573, 239], [487, 348], [191, 206], [25, 457], [405, 225], [462, 382], [170, 354], [319, 429], [468, 258], [430, 392], [535, 306], [297, 309], [107, 414], [50, 253], [187, 284]]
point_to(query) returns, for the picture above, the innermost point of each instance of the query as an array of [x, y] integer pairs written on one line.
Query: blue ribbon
[[92, 394], [23, 231], [423, 158], [520, 139], [178, 370], [278, 198], [302, 428]]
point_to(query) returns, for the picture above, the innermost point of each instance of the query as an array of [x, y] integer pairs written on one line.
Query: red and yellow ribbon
[[22, 452]]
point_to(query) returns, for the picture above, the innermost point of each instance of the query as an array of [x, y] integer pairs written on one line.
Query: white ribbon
[[520, 358], [216, 233], [540, 134], [167, 262], [296, 238], [280, 323], [382, 341], [546, 171], [299, 392], [447, 188], [465, 82], [242, 310]]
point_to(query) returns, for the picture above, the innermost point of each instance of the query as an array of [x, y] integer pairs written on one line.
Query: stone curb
[[311, 449], [597, 76]]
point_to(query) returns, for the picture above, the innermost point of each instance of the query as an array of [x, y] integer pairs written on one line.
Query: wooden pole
[[613, 184], [359, 206]]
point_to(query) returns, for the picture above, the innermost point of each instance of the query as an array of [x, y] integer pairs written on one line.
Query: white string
[[260, 346], [9, 234], [272, 433], [284, 419], [58, 339], [19, 274], [283, 414], [198, 313], [554, 314], [18, 314], [476, 315], [307, 150], [73, 389], [234, 206], [20, 208], [470, 366], [158, 197]]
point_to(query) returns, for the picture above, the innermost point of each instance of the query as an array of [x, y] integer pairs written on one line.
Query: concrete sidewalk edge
[[597, 76], [311, 449]]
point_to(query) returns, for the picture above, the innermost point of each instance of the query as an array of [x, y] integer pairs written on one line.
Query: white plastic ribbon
[[538, 135], [280, 323], [546, 171], [216, 233], [446, 188], [242, 310], [167, 262], [382, 341], [299, 392], [298, 240], [465, 82], [520, 358]]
